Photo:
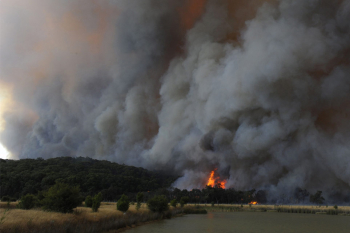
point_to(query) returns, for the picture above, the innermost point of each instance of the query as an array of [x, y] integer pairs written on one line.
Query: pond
[[248, 222]]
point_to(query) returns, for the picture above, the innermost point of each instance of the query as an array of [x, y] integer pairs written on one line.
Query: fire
[[216, 180], [253, 203], [211, 181]]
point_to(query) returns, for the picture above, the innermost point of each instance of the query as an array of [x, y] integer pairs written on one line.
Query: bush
[[96, 202], [317, 198], [5, 199], [123, 203], [139, 199], [183, 201], [27, 202], [39, 198], [62, 198], [138, 206], [158, 204], [88, 201], [13, 199], [336, 207], [173, 203]]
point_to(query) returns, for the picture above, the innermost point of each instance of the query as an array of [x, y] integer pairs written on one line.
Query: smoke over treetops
[[258, 89]]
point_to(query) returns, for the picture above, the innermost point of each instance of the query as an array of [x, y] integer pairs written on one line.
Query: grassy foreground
[[107, 219]]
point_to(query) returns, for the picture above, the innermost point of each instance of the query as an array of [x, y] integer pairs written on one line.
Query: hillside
[[19, 177]]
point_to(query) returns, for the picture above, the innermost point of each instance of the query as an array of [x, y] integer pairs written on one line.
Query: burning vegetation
[[215, 180]]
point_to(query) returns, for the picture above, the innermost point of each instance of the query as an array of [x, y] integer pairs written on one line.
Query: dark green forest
[[30, 176], [33, 176]]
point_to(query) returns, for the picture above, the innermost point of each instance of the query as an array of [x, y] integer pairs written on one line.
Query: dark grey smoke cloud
[[261, 95]]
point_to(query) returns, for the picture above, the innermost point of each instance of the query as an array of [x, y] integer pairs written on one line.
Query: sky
[[257, 89]]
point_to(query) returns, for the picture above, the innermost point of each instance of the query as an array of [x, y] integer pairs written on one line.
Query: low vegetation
[[88, 201], [96, 202], [139, 199], [61, 198], [173, 203], [27, 202], [81, 220], [123, 204], [158, 204]]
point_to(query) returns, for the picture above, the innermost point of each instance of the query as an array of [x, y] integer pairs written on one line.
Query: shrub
[[173, 202], [13, 199], [138, 206], [336, 207], [88, 201], [123, 203], [27, 202], [212, 204], [62, 198], [96, 202], [158, 204], [183, 201], [317, 198], [139, 199], [39, 198], [5, 199]]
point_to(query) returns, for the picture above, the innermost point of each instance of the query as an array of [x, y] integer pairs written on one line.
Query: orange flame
[[211, 181], [215, 180], [253, 203]]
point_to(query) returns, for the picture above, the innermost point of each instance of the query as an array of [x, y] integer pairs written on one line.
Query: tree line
[[30, 176], [111, 180]]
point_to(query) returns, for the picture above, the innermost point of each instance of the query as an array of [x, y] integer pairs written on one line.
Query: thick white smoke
[[258, 89]]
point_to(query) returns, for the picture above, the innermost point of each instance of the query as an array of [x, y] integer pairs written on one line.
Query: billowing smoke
[[258, 89]]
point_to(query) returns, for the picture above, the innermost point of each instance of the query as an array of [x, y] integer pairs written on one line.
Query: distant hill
[[19, 177]]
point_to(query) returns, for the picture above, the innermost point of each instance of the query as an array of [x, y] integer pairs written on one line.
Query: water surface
[[249, 222]]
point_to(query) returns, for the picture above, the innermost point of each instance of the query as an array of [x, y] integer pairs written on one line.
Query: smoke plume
[[259, 90]]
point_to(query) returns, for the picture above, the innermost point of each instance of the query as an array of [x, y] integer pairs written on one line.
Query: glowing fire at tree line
[[215, 180]]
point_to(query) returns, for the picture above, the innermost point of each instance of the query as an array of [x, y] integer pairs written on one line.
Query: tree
[[27, 202], [139, 199], [123, 203], [173, 203], [158, 204], [96, 202], [62, 198], [317, 198], [88, 201], [183, 201], [301, 194]]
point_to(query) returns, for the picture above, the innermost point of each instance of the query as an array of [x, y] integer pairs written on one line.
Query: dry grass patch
[[82, 220]]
